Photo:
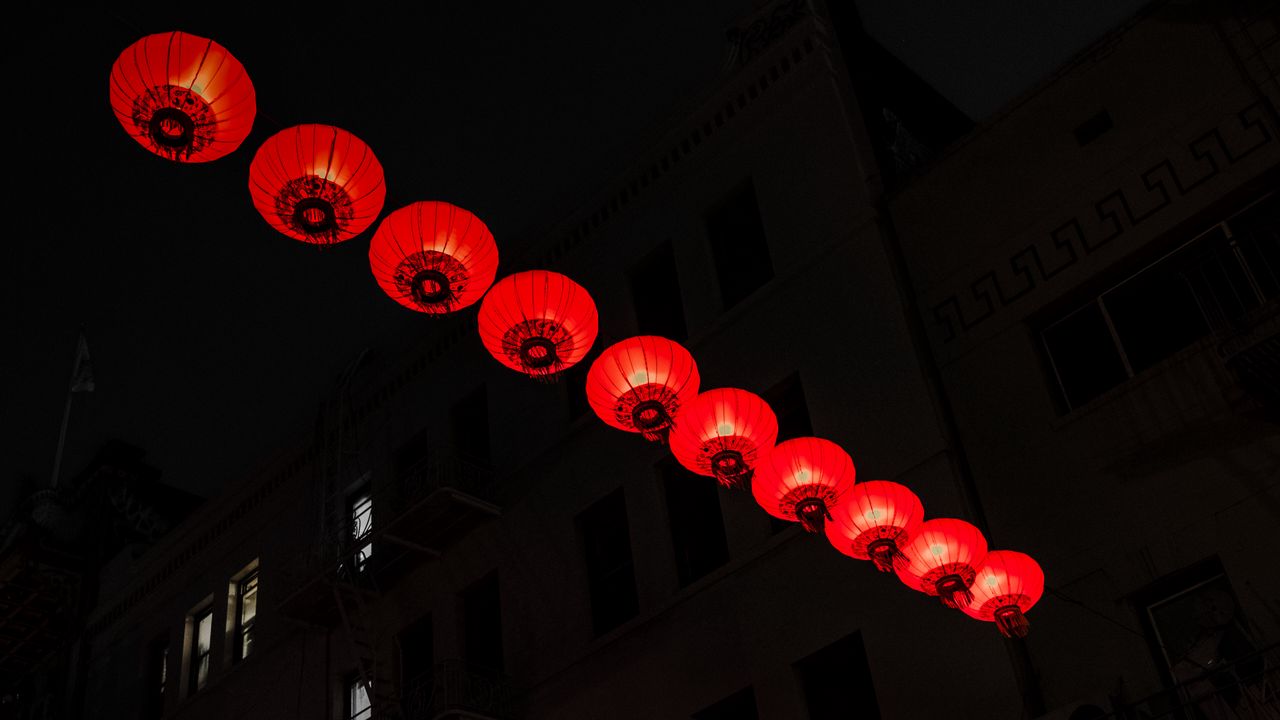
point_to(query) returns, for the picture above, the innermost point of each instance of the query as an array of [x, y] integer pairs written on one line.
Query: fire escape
[[371, 532]]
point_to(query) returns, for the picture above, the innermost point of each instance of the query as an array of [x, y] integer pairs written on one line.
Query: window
[[655, 294], [245, 613], [157, 676], [482, 625], [411, 455], [417, 657], [1209, 283], [201, 642], [789, 405], [836, 680], [358, 705], [738, 245], [738, 706], [470, 417], [697, 527], [360, 511], [1194, 622], [606, 541]]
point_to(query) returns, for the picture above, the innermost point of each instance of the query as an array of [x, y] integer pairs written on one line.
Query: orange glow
[[183, 97], [874, 520], [802, 479], [941, 559], [641, 384], [722, 432], [317, 183], [433, 257], [1006, 585], [538, 322]]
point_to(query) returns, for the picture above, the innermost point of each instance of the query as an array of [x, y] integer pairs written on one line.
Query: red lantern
[[1008, 583], [317, 183], [941, 559], [722, 432], [538, 322], [183, 97], [640, 384], [433, 257], [802, 479], [874, 520]]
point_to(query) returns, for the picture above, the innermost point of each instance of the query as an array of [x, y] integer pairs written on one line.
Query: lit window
[[246, 614], [358, 705], [361, 504], [201, 639]]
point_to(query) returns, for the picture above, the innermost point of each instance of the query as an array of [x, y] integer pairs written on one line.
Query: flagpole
[[62, 440]]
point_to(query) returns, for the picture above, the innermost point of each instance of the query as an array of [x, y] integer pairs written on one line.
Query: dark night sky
[[212, 336]]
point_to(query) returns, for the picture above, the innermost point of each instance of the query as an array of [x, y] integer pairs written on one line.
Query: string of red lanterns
[[187, 99]]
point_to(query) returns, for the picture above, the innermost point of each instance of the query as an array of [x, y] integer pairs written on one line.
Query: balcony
[[39, 592], [399, 525], [1247, 688], [453, 690]]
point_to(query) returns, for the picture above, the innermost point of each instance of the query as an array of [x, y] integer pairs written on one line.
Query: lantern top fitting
[[433, 257], [182, 97], [317, 183]]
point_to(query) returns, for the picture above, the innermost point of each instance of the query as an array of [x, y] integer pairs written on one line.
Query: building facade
[[454, 540]]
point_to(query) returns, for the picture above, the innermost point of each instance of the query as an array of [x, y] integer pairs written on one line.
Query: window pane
[[1257, 232], [362, 525], [1084, 355], [482, 625], [738, 245], [655, 293], [358, 706], [738, 706], [471, 426], [606, 542], [204, 636], [248, 612], [1156, 314], [837, 682], [697, 526]]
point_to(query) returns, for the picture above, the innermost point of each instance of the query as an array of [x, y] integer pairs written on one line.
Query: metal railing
[[454, 688], [1246, 688]]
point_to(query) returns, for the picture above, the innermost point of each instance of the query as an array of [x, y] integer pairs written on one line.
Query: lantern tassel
[[954, 591], [812, 514], [1011, 622], [884, 554]]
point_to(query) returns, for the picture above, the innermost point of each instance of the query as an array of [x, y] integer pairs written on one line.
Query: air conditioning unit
[[1087, 708]]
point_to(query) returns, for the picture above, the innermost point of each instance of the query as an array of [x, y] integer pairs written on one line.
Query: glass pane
[[359, 706], [1257, 232], [248, 599], [1084, 355], [1155, 312]]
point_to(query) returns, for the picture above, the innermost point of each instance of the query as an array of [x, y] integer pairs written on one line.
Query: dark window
[[417, 657], [357, 696], [482, 625], [655, 293], [201, 644], [1210, 283], [360, 515], [738, 706], [575, 388], [246, 614], [471, 426], [738, 245], [697, 527], [1193, 622], [606, 541], [789, 405], [836, 681], [157, 676], [412, 454]]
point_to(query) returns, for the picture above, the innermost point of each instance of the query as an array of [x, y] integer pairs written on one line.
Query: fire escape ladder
[[353, 590]]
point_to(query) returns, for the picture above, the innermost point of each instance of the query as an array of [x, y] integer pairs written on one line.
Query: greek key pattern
[[1110, 216]]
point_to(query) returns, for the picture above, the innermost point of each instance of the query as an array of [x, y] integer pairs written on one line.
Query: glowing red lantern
[[433, 257], [874, 520], [722, 432], [802, 479], [538, 322], [317, 183], [183, 97], [640, 384], [941, 559], [1008, 583]]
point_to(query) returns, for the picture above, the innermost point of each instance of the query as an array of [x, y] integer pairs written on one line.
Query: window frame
[[240, 628], [194, 682]]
